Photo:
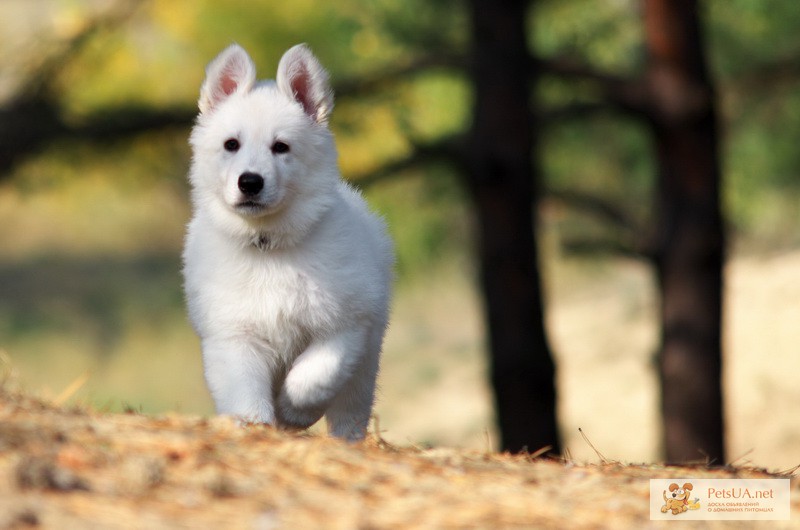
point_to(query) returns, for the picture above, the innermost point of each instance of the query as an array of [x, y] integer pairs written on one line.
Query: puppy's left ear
[[302, 78]]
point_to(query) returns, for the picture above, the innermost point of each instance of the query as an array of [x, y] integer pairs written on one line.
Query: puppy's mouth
[[253, 208], [250, 207]]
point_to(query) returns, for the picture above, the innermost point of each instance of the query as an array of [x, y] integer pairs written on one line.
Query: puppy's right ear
[[232, 71]]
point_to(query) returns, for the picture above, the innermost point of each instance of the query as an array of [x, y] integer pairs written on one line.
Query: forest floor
[[76, 468]]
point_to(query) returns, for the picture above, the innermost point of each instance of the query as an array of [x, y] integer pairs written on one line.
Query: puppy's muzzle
[[251, 184]]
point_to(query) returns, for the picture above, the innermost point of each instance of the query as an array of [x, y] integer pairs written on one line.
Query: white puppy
[[287, 272]]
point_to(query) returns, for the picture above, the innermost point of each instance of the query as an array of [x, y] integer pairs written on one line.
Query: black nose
[[251, 183]]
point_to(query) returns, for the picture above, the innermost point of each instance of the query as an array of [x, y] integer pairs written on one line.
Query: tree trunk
[[501, 179], [691, 242]]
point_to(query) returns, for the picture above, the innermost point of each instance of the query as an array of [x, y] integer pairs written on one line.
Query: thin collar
[[262, 242]]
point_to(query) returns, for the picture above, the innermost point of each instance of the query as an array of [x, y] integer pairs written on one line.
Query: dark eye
[[232, 145], [280, 147]]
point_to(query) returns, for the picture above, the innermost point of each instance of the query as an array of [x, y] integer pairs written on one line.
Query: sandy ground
[[76, 469]]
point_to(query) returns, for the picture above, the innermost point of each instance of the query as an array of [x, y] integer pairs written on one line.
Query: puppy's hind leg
[[317, 377], [349, 413]]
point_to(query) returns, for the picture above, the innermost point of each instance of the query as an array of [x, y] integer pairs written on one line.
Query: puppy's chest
[[279, 299]]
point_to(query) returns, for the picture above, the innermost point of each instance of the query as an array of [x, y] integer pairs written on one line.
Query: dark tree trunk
[[501, 179], [691, 242]]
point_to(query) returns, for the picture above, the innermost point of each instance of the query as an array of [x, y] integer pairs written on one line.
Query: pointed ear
[[302, 78], [232, 71]]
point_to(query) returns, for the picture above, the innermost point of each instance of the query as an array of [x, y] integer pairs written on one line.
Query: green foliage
[[423, 27], [157, 59], [606, 34], [427, 219], [746, 33], [753, 49], [615, 167]]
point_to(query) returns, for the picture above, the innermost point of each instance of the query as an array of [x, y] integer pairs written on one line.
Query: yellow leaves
[[176, 17], [68, 22], [439, 105], [377, 140], [376, 131], [365, 43]]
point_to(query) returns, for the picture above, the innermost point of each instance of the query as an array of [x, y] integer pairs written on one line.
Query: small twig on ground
[[70, 390], [600, 455]]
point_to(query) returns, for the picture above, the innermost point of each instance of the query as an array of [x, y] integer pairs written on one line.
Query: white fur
[[287, 288]]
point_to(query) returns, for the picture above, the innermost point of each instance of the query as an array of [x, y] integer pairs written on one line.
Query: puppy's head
[[261, 147]]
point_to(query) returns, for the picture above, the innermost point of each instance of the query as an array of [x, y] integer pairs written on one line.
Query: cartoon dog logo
[[678, 499]]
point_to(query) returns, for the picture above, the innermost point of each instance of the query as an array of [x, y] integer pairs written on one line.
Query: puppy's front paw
[[243, 421]]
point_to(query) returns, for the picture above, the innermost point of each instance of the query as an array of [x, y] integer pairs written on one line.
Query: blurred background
[[96, 102]]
